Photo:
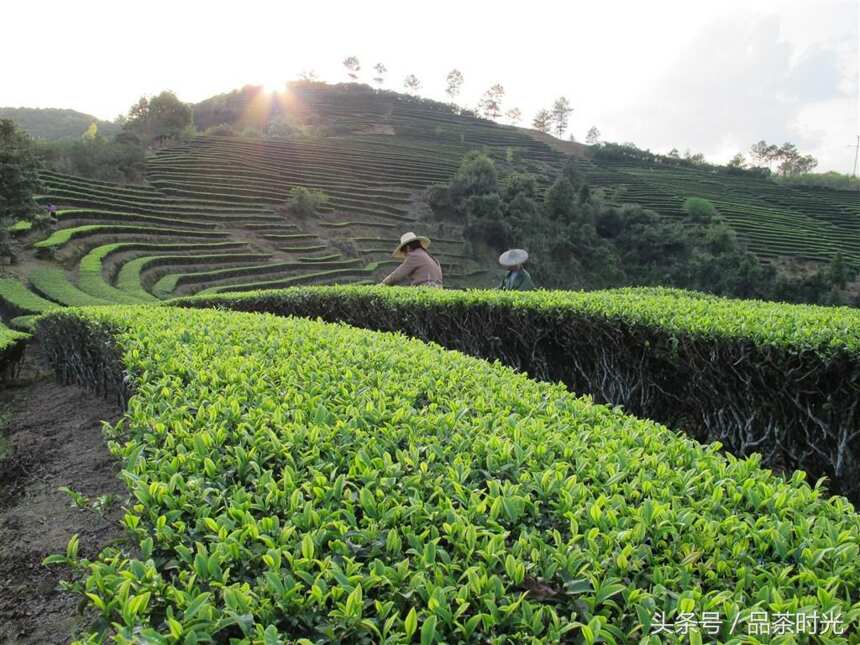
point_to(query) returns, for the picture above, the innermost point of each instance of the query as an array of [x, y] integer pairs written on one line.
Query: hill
[[208, 218], [54, 124]]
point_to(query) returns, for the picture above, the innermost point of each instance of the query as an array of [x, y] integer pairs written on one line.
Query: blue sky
[[709, 77]]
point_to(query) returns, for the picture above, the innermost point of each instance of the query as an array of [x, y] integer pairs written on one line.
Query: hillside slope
[[207, 219], [53, 124]]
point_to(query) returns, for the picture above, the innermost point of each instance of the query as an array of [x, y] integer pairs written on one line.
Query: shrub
[[475, 176], [700, 210], [777, 379], [305, 202], [484, 207], [318, 482]]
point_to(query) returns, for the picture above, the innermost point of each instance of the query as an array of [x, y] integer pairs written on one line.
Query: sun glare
[[273, 87]]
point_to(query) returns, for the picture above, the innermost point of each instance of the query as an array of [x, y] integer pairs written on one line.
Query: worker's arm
[[401, 273]]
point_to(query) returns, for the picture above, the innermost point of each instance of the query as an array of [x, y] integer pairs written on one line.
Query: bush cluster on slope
[[577, 239]]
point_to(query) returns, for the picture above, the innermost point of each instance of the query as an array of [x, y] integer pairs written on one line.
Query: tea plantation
[[362, 464], [207, 217], [317, 482]]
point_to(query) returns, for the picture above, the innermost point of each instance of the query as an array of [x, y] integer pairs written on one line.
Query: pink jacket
[[419, 268]]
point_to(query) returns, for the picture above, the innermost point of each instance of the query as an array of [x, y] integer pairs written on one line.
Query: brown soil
[[54, 438]]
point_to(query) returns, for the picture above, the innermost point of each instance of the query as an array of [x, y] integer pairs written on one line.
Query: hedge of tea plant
[[298, 481], [780, 380], [12, 344]]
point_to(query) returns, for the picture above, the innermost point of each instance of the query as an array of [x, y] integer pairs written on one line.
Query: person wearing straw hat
[[419, 268], [517, 278]]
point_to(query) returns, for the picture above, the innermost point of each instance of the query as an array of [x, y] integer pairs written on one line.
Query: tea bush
[[316, 482], [781, 380]]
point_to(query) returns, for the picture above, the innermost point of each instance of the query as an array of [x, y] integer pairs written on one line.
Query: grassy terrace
[[274, 270], [16, 299], [52, 283], [373, 488], [59, 238], [773, 220], [130, 277]]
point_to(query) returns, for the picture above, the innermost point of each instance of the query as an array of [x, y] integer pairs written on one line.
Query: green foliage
[[305, 202], [19, 179], [53, 283], [560, 200], [283, 489], [12, 345], [484, 206], [16, 298], [476, 176], [52, 124], [519, 183], [159, 118], [834, 180], [700, 210], [119, 161]]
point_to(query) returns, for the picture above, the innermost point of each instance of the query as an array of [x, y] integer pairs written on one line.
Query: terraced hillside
[[774, 221], [207, 219]]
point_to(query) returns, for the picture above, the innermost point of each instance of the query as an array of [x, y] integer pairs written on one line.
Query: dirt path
[[53, 438]]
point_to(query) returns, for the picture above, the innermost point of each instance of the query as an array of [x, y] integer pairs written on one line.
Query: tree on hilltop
[[454, 82], [542, 121], [674, 154], [308, 75], [412, 84], [381, 71], [738, 161], [762, 153], [352, 67], [697, 158], [491, 102], [514, 116], [561, 110], [159, 118], [593, 136]]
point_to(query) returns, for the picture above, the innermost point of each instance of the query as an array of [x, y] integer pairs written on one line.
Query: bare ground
[[54, 438]]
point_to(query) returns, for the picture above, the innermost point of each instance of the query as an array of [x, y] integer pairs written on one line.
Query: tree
[[838, 271], [491, 102], [738, 161], [475, 176], [308, 75], [412, 84], [763, 154], [91, 133], [381, 71], [159, 118], [791, 162], [514, 116], [454, 82], [19, 180], [560, 115], [674, 154], [352, 67], [697, 158], [305, 202], [593, 136], [520, 183], [560, 200], [700, 210], [542, 121]]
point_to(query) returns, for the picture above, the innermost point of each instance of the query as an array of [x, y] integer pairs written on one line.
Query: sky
[[709, 77]]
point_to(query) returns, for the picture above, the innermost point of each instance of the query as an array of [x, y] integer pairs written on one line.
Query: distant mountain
[[53, 124]]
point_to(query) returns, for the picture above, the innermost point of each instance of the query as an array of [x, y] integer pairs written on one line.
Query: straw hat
[[513, 257], [405, 239]]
